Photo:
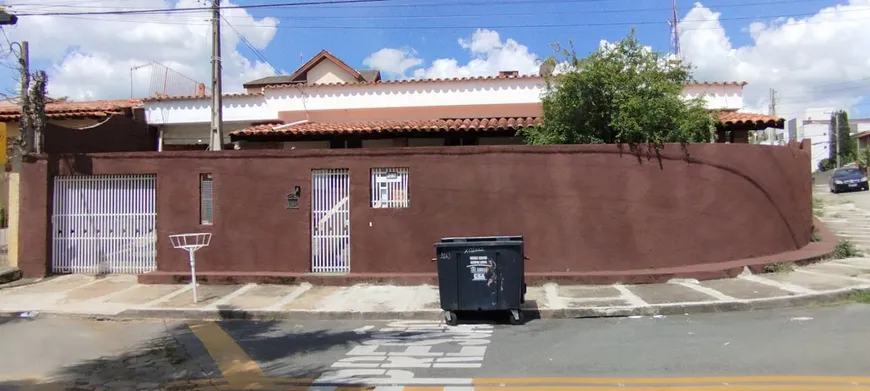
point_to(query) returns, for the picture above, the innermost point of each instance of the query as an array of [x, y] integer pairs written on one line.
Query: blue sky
[[433, 29], [90, 57]]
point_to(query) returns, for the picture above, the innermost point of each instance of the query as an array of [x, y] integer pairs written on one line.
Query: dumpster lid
[[477, 239]]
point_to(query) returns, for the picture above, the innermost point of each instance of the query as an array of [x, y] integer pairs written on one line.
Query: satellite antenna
[[675, 56]]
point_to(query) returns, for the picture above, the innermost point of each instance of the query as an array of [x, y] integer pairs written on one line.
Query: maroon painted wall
[[580, 208], [115, 134]]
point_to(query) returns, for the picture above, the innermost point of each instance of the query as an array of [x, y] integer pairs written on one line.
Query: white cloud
[[91, 56], [393, 61], [489, 55], [812, 62]]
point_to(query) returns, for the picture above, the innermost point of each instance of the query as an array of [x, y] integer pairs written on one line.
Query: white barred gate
[[104, 224], [330, 221]]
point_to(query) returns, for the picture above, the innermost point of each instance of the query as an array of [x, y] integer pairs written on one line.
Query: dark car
[[848, 178]]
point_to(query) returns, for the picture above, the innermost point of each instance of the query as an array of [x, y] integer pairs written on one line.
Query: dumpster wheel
[[516, 317], [450, 318]]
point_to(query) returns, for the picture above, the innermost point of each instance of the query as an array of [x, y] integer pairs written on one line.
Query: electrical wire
[[197, 9], [501, 3], [250, 46], [503, 26]]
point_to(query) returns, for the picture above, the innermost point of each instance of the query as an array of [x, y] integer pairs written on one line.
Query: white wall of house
[[387, 95], [814, 124]]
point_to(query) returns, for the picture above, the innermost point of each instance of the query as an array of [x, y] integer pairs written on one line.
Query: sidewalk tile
[[819, 283], [668, 293], [588, 292], [143, 294], [602, 303], [837, 270], [261, 296], [55, 284], [206, 294], [744, 289], [101, 288], [309, 299]]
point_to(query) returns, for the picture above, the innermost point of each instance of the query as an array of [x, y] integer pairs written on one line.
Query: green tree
[[623, 93], [848, 144]]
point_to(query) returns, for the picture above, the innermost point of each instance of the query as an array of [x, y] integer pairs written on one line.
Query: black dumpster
[[481, 274]]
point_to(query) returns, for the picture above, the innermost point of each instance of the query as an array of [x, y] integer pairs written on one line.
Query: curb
[[8, 275], [829, 297]]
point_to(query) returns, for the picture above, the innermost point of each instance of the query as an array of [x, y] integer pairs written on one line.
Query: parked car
[[847, 179]]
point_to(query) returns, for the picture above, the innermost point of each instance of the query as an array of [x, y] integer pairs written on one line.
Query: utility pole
[[25, 127], [837, 134], [37, 103], [772, 109], [217, 131]]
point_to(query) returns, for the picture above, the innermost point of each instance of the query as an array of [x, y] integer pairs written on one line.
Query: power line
[[200, 9], [476, 26], [250, 46], [488, 14]]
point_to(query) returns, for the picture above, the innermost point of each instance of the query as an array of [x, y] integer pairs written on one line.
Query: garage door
[[104, 224]]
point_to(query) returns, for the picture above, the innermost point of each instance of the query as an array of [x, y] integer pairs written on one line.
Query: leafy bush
[[827, 164]]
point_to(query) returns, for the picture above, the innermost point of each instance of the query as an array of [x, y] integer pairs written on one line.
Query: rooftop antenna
[[675, 56]]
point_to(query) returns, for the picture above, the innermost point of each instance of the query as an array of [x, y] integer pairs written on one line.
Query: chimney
[[200, 89], [508, 73]]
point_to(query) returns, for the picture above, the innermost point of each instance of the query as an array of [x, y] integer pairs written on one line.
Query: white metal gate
[[104, 224], [330, 221]]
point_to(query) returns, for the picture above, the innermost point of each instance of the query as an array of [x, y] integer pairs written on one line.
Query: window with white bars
[[206, 199], [390, 188]]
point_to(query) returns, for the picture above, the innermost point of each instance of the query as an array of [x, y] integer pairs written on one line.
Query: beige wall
[[328, 72]]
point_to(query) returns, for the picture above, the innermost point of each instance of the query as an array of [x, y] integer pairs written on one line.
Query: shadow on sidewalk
[[178, 360]]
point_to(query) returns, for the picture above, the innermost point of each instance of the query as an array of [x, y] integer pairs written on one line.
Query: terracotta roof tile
[[733, 117], [196, 97], [70, 110], [434, 125]]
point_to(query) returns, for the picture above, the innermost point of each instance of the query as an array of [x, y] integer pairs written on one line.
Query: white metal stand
[[191, 243]]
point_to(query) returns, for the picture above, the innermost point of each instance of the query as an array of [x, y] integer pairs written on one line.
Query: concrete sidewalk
[[120, 296]]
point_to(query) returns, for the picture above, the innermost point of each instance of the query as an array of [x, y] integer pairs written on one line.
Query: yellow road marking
[[239, 369], [756, 387], [675, 380]]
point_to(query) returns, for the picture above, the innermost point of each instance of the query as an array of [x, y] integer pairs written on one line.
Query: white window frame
[[389, 187]]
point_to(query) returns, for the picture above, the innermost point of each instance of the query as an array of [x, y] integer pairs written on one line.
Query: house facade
[[71, 127], [317, 186], [327, 104], [815, 124]]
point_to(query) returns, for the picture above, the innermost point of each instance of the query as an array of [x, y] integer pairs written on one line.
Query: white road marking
[[551, 290], [302, 288], [781, 285], [857, 279], [159, 300], [705, 290], [630, 296], [234, 294]]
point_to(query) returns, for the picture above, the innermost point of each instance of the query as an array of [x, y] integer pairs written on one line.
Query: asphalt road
[[813, 348]]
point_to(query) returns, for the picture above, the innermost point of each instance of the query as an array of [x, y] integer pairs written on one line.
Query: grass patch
[[861, 297], [814, 236], [818, 206], [846, 249], [779, 267]]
